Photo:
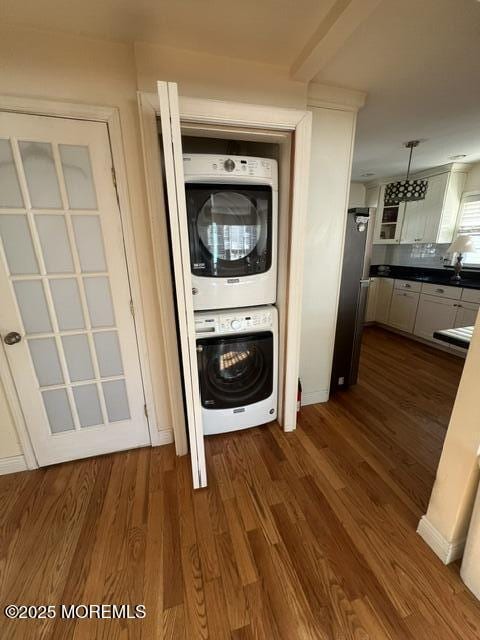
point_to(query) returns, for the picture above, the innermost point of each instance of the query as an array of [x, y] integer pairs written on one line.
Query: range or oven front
[[232, 205], [237, 356]]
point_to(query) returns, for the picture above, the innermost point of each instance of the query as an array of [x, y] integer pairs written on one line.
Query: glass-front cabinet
[[388, 221]]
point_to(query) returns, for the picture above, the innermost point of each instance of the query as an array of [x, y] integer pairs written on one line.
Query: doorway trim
[[111, 117], [221, 113]]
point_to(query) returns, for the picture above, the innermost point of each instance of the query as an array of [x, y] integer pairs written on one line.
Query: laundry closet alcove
[[172, 125]]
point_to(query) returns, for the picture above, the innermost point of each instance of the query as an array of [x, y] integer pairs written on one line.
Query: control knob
[[229, 165], [236, 324]]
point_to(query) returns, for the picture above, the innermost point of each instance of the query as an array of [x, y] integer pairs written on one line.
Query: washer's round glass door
[[235, 371], [229, 225], [237, 366]]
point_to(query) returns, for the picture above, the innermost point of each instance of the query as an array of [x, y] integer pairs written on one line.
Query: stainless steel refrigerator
[[353, 297]]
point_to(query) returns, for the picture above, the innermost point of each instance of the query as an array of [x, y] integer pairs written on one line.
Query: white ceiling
[[271, 31], [419, 61]]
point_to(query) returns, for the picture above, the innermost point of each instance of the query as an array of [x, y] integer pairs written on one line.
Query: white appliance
[[237, 355], [232, 211]]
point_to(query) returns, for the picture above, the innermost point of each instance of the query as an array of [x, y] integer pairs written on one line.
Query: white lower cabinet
[[434, 313], [403, 310], [466, 314], [422, 308], [466, 317]]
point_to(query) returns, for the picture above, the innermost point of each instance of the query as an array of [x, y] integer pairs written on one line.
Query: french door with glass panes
[[65, 311]]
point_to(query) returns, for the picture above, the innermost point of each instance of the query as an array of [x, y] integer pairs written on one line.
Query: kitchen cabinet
[[403, 310], [431, 220], [434, 313], [442, 290], [384, 298], [440, 218], [471, 295], [466, 314], [414, 223], [466, 317], [388, 221], [422, 308], [408, 285]]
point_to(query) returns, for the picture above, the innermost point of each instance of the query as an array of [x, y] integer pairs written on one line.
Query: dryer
[[237, 356], [232, 211]]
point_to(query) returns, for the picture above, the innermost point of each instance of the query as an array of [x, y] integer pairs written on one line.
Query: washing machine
[[232, 211], [237, 355]]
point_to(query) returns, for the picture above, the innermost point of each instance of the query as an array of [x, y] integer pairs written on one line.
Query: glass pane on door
[[41, 175], [56, 260], [10, 194], [17, 244], [78, 176], [56, 251]]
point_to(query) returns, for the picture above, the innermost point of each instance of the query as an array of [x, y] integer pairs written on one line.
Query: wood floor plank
[[309, 534]]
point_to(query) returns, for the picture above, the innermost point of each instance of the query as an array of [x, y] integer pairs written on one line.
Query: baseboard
[[428, 343], [447, 551], [159, 438], [13, 464], [313, 397]]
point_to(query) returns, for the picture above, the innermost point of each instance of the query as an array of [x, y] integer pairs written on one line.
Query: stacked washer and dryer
[[232, 209]]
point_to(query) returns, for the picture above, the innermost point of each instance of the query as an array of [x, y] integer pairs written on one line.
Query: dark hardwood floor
[[302, 535]]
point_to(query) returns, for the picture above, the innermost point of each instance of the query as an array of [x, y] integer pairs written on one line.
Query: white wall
[[332, 143], [61, 67], [473, 178], [357, 195], [208, 76], [457, 477]]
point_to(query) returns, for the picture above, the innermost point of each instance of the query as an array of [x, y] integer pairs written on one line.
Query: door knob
[[12, 338]]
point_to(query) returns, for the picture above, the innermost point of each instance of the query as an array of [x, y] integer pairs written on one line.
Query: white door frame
[[214, 112], [111, 117]]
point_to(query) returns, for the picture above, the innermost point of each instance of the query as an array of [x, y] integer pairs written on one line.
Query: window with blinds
[[470, 224]]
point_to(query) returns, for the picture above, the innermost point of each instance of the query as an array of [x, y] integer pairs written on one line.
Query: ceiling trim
[[322, 95], [341, 21]]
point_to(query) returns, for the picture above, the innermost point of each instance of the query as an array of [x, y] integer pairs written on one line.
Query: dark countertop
[[460, 337], [470, 279]]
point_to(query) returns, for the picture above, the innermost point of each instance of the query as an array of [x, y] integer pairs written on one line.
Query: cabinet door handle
[[440, 290]]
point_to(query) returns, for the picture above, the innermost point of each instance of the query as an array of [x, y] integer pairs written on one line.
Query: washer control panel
[[196, 165], [233, 322]]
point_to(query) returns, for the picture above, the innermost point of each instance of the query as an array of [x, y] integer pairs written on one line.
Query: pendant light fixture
[[406, 190]]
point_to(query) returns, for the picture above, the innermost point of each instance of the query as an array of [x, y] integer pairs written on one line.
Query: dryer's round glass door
[[229, 225]]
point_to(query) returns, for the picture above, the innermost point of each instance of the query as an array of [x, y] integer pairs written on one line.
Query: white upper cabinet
[[431, 220], [414, 223], [438, 217], [388, 221]]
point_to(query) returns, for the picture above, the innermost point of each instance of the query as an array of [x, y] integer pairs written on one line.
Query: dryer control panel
[[210, 166], [234, 322]]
